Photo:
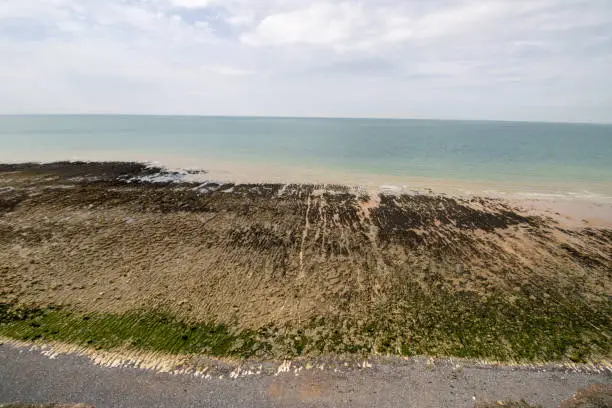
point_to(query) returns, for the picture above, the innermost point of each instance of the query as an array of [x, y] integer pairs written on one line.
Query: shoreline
[[256, 171], [567, 207]]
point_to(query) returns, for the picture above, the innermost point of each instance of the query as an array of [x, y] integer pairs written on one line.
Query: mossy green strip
[[144, 330], [446, 323]]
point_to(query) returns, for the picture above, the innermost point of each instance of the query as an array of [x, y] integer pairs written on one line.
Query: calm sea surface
[[576, 157]]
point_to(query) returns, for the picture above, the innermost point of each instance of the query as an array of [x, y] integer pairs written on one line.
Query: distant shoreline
[[382, 118]]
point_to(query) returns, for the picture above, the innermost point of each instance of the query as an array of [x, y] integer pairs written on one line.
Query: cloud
[[227, 70], [193, 3], [320, 23], [494, 59], [357, 24]]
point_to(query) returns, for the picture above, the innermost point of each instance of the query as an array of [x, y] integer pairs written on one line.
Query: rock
[[459, 269]]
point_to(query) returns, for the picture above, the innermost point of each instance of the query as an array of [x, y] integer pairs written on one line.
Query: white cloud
[[320, 23], [468, 16], [506, 59], [193, 3], [355, 24], [228, 70]]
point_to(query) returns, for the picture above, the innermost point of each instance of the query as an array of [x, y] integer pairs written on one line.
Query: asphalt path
[[31, 377]]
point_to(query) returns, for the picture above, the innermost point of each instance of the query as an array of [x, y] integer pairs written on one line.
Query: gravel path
[[29, 376]]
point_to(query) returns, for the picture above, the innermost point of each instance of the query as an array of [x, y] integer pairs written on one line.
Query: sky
[[540, 60]]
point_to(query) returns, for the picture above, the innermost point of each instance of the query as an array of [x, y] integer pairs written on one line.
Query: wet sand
[[275, 172]]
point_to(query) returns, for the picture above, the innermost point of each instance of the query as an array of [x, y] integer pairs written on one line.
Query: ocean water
[[545, 158]]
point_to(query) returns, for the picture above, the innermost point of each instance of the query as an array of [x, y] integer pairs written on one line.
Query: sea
[[520, 158]]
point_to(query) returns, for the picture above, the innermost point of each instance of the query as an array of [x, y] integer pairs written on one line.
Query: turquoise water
[[514, 152]]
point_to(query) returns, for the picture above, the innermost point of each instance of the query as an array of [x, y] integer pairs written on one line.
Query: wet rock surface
[[308, 268]]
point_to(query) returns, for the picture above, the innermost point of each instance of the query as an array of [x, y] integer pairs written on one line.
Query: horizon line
[[197, 115]]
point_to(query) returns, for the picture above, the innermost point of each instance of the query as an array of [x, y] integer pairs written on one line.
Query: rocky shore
[[122, 255]]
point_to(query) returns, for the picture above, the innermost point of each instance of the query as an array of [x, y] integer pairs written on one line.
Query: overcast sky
[[473, 59]]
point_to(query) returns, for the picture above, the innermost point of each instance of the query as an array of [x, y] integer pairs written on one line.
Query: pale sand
[[572, 213]]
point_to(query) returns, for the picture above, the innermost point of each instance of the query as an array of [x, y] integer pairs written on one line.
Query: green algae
[[528, 329], [140, 330]]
